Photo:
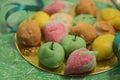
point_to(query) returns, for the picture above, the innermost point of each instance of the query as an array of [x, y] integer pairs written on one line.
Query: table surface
[[14, 67]]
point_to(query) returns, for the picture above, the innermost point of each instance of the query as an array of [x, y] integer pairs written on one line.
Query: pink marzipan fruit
[[54, 7], [79, 62], [54, 31]]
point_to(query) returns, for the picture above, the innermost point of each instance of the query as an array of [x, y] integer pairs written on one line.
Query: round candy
[[85, 30], [103, 27], [71, 43], [116, 23], [85, 18], [51, 55], [29, 33], [86, 7], [109, 13], [55, 7], [112, 16], [41, 17], [66, 18], [103, 44]]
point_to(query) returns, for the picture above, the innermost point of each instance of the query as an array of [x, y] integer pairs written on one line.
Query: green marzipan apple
[[51, 55], [71, 43]]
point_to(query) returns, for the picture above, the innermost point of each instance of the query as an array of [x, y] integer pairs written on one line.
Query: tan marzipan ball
[[29, 33]]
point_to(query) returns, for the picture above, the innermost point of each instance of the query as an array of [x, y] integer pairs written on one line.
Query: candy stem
[[75, 38], [52, 45]]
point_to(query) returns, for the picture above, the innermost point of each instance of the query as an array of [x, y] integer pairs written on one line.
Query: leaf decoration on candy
[[89, 52], [93, 53], [20, 7]]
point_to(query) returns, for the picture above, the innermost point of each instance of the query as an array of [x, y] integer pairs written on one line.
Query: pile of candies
[[82, 39]]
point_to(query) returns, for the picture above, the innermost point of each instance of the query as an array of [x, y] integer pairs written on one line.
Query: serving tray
[[30, 55]]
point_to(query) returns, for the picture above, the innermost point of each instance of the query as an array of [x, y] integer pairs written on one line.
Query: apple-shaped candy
[[51, 55], [80, 61], [71, 43]]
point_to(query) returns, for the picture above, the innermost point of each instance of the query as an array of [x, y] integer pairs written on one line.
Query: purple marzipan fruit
[[80, 61]]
